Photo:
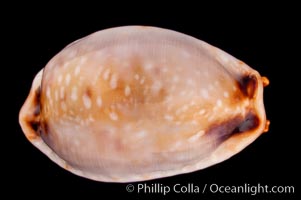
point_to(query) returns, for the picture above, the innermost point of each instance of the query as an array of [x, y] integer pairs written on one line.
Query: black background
[[261, 37]]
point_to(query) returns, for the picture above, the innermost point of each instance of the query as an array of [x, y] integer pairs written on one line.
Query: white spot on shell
[[205, 93], [192, 103], [77, 70], [196, 136], [189, 82], [71, 54], [142, 80], [141, 134], [175, 79], [74, 93], [113, 81], [127, 90], [186, 54], [168, 117], [194, 122], [202, 112], [87, 101], [68, 78], [60, 78], [91, 119], [164, 69], [48, 93], [156, 87], [99, 101], [183, 93], [106, 74], [82, 60], [224, 58], [113, 116], [226, 94], [148, 66], [76, 141], [211, 118], [65, 65], [184, 108], [97, 74], [219, 103]]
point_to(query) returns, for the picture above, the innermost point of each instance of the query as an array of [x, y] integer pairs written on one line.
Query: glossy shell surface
[[137, 103]]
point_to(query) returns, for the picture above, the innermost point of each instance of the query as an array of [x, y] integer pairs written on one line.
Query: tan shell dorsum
[[137, 103]]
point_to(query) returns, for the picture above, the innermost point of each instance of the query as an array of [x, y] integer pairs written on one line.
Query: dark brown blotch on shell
[[34, 120], [248, 85], [239, 124]]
